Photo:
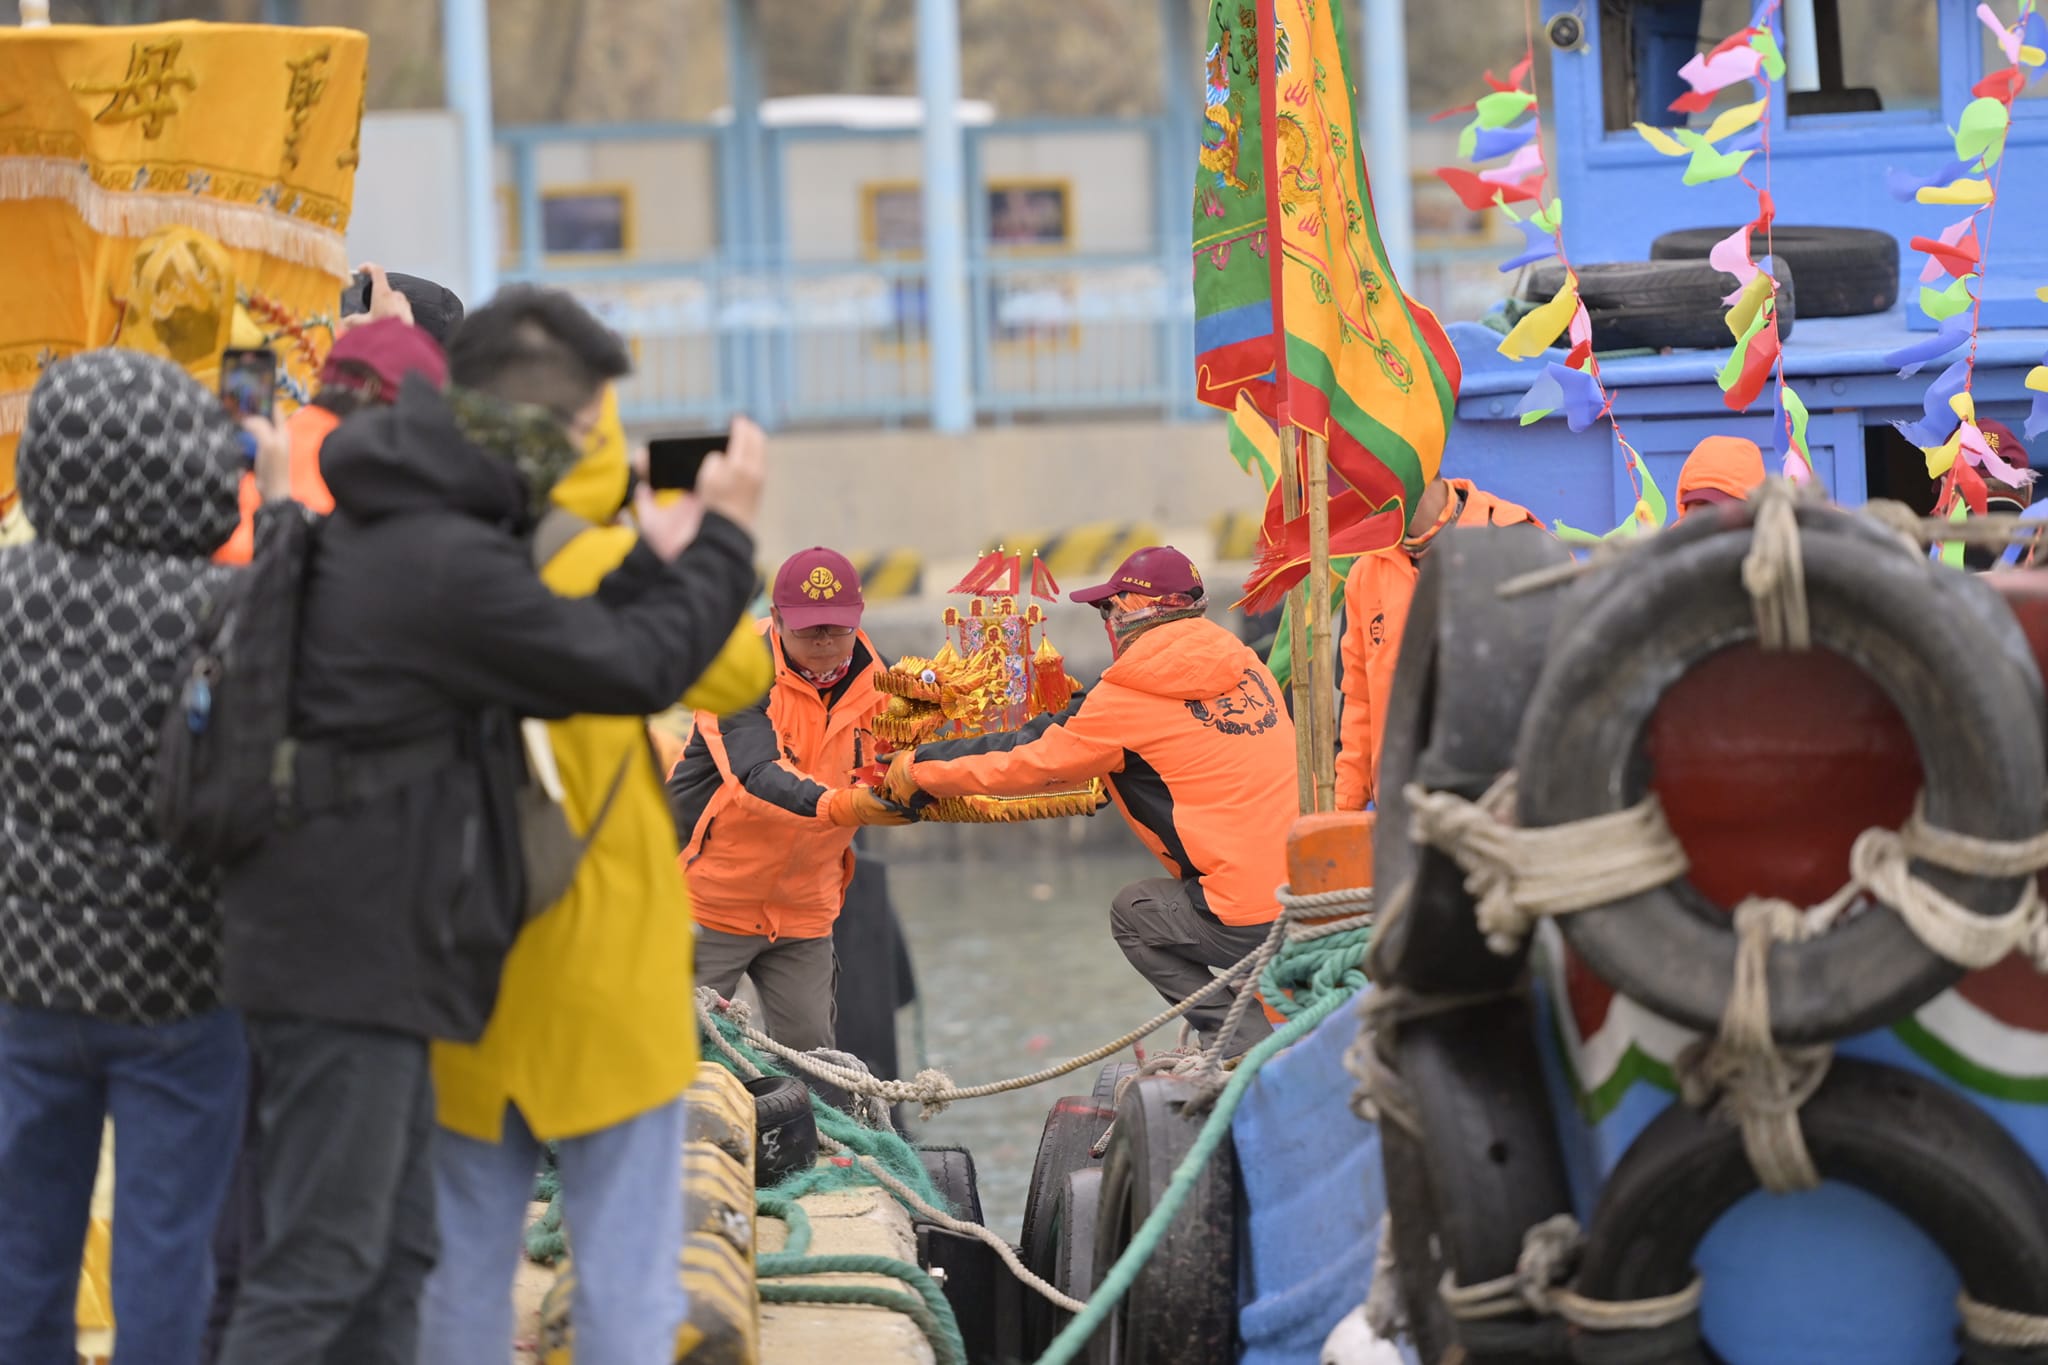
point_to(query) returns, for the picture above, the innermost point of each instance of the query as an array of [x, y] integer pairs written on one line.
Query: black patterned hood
[[126, 451]]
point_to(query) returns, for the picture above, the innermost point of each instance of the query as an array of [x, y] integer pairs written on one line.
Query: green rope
[[928, 1309], [1323, 973], [792, 1214], [855, 1137]]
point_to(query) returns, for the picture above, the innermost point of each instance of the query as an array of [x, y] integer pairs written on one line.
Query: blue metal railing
[[814, 343]]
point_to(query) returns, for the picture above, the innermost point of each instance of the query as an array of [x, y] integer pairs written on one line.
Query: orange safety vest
[[307, 431]]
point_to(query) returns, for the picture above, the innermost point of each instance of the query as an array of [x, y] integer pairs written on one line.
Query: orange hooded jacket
[[1190, 730], [1376, 597], [760, 855]]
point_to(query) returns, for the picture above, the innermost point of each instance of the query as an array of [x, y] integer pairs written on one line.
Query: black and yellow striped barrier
[[890, 574], [1095, 548], [1237, 535], [724, 1325]]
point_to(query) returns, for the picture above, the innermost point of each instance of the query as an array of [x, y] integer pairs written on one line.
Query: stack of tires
[[1083, 1210], [1560, 685], [1675, 300]]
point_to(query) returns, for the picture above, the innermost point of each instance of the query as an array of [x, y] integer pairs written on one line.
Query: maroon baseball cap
[[1155, 571], [386, 350], [817, 587]]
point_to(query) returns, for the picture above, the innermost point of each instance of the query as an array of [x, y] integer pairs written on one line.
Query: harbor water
[[1016, 971]]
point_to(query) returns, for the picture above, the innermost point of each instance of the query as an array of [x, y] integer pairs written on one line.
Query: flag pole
[[1323, 700], [1301, 677]]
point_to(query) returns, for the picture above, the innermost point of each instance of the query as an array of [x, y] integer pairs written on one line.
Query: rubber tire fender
[[1107, 1080], [1658, 304], [1072, 1127], [1073, 1231], [1468, 662], [1978, 730], [1912, 1142], [952, 1172], [1490, 1167], [785, 1129], [1844, 272], [1182, 1308]]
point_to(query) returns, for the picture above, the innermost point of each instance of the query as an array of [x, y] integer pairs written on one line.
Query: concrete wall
[[408, 213], [952, 496]]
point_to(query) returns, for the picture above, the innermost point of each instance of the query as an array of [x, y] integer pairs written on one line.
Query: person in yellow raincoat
[[593, 1039]]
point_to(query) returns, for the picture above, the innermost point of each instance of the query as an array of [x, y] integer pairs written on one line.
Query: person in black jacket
[[109, 938], [381, 916]]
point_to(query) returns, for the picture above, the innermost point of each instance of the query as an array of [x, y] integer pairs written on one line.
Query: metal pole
[[1323, 701], [741, 165], [1802, 47], [1385, 64], [1300, 681], [1174, 190], [466, 55], [945, 230]]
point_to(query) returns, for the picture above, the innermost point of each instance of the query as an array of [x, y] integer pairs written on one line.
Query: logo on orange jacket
[[1247, 709]]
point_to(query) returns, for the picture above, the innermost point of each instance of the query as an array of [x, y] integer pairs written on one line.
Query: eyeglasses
[[823, 635]]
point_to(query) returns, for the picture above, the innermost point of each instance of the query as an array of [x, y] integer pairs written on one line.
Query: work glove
[[901, 783], [852, 807]]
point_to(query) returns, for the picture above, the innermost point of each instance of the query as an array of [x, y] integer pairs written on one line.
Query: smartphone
[[356, 298], [673, 462], [248, 381]]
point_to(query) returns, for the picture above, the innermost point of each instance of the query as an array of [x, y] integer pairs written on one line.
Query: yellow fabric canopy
[[230, 149]]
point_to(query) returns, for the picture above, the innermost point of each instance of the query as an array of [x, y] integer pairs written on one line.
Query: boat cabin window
[[1863, 56]]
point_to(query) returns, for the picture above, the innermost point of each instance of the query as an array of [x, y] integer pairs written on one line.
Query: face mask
[[822, 681]]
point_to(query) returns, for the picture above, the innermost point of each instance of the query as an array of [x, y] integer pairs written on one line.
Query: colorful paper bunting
[[1980, 132], [1733, 121], [1489, 143], [1954, 252], [1709, 163], [1909, 358], [1503, 107], [1773, 57], [1943, 304], [1477, 194], [1707, 73], [1906, 187], [1542, 326], [1541, 244], [1968, 193], [1939, 420], [1794, 455]]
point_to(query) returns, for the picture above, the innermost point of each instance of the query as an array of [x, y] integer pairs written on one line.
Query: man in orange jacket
[[1720, 469], [1376, 597], [765, 804], [1188, 728]]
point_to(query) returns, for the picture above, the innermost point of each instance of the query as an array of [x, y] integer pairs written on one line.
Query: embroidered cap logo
[[822, 586]]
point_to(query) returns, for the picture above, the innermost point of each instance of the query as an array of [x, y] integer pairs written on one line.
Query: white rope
[[1385, 1313], [1549, 1251], [1517, 875], [1881, 860], [1742, 1075], [2000, 1326], [974, 1230], [1774, 571]]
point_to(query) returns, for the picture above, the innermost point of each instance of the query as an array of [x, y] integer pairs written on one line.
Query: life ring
[[1072, 1127], [1485, 1165], [1182, 1308], [1911, 1142], [785, 1129], [1468, 662], [1948, 667], [1844, 272]]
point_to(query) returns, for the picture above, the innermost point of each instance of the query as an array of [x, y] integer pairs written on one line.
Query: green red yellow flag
[[1296, 307]]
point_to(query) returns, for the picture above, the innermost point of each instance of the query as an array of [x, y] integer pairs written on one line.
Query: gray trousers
[[798, 979], [1174, 945], [345, 1117]]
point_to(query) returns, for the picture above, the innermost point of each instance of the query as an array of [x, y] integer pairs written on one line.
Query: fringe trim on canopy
[[13, 417], [1003, 810], [132, 213]]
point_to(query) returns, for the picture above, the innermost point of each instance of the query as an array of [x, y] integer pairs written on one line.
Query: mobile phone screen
[[248, 382], [674, 461]]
